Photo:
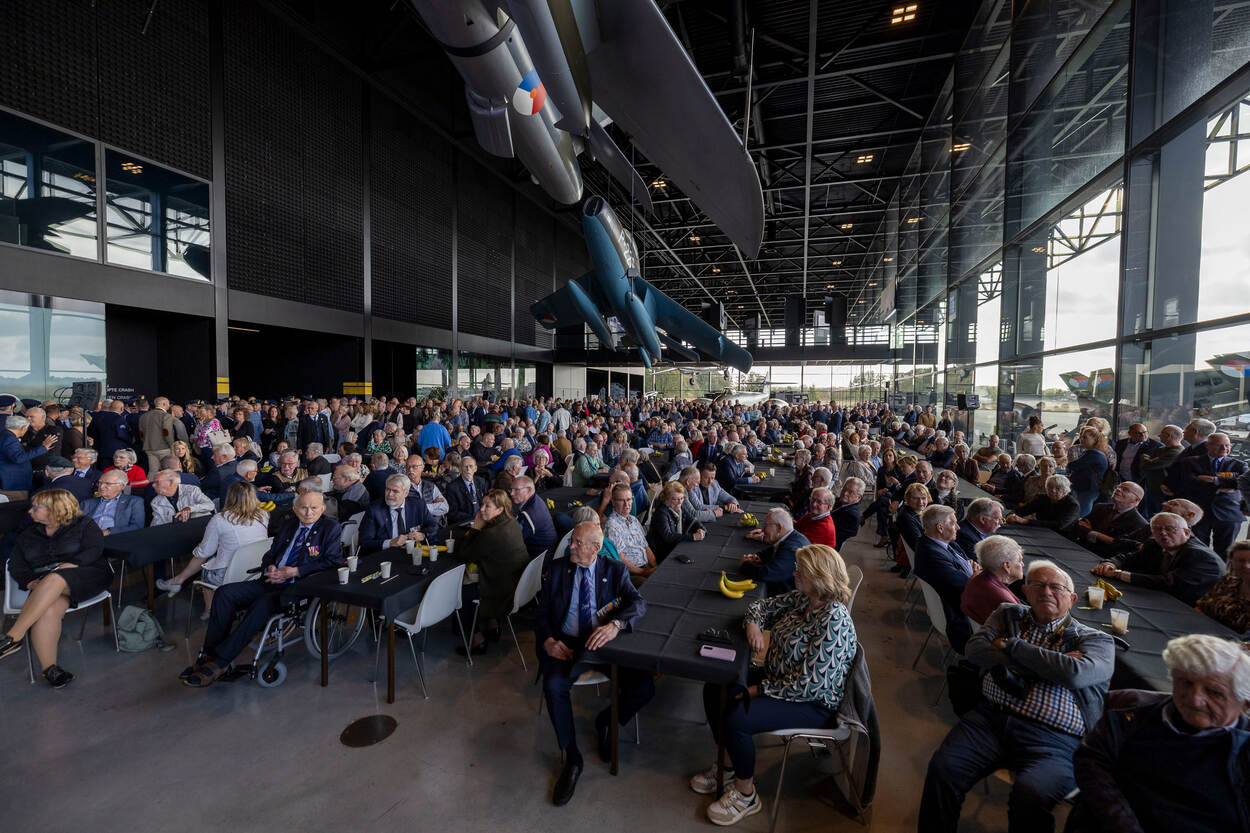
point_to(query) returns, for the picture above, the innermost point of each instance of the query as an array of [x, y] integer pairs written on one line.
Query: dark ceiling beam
[[813, 7], [870, 66], [884, 96]]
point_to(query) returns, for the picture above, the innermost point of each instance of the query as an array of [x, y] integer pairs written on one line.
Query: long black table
[[1154, 616], [141, 548]]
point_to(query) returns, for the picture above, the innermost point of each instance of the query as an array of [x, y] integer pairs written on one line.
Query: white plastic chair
[[325, 482], [855, 574], [15, 597], [350, 536], [332, 458], [527, 588], [596, 678], [442, 599], [568, 470], [246, 557], [937, 624]]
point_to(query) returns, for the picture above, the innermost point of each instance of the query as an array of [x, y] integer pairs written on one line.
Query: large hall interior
[[796, 415]]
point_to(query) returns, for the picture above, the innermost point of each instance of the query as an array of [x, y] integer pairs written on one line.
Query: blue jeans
[[984, 740], [1086, 499], [738, 724]]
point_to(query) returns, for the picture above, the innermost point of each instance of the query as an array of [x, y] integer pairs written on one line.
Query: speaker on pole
[[713, 312]]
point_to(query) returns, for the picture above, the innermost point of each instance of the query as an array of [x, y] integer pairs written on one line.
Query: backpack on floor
[[138, 630]]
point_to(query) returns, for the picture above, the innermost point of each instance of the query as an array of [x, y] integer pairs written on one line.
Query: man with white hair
[[775, 565], [224, 472], [1210, 480], [40, 429], [435, 503], [1178, 761], [400, 516], [1172, 561], [1116, 527], [733, 469], [946, 568], [823, 477], [15, 471], [982, 518], [177, 501], [1044, 678], [348, 492], [316, 463]]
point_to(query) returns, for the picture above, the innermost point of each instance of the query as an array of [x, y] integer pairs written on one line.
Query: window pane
[[157, 219], [1225, 268]]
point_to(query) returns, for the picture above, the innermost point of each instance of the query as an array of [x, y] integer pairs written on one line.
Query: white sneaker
[[733, 807], [204, 616], [705, 782], [171, 589]]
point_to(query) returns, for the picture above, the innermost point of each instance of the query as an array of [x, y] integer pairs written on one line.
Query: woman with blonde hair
[[59, 559], [673, 520], [1087, 471], [187, 461], [801, 684], [240, 522]]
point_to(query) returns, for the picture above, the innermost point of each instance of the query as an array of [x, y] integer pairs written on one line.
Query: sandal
[[205, 675]]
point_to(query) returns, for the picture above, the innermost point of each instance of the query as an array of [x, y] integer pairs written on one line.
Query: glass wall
[[47, 344]]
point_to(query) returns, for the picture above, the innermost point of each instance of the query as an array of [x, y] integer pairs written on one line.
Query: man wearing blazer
[[775, 565], [306, 543], [113, 511], [571, 620], [387, 521], [464, 494], [946, 568], [1129, 451], [1210, 480], [1115, 528]]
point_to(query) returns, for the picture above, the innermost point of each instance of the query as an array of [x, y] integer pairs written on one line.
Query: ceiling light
[[739, 306], [659, 182], [835, 262], [132, 167], [903, 14], [888, 259], [715, 270], [694, 238], [729, 291], [1040, 250], [84, 177], [861, 300], [873, 283], [960, 147], [912, 220], [846, 226], [864, 157], [828, 286]]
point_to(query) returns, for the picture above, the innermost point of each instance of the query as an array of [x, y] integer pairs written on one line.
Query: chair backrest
[[325, 482], [442, 598], [4, 498], [14, 597], [933, 604], [531, 582], [911, 553], [983, 476], [357, 518], [246, 557], [568, 470], [856, 575], [350, 537], [332, 458]]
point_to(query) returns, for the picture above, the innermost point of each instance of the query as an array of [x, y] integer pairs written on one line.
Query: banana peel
[[1110, 591]]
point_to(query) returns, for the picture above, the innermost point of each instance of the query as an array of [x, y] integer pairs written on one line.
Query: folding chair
[[246, 557], [15, 597], [442, 599]]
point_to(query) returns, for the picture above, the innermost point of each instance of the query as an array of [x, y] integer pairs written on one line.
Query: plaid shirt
[[1048, 703]]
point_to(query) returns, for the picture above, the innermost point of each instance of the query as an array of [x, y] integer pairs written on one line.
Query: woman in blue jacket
[[1086, 471]]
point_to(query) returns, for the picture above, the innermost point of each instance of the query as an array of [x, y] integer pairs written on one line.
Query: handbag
[[219, 437]]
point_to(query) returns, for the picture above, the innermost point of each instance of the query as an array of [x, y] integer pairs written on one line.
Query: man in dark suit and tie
[[84, 465], [944, 566], [400, 516], [224, 472], [1129, 451], [982, 519], [464, 494], [775, 565], [585, 602], [1210, 480], [113, 511], [109, 432], [306, 543], [60, 475], [1115, 528]]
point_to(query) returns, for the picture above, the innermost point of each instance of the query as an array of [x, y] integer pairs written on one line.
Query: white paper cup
[[1119, 620], [433, 553], [451, 545], [416, 558], [1096, 596], [344, 574], [772, 472], [353, 562], [386, 569], [410, 546]]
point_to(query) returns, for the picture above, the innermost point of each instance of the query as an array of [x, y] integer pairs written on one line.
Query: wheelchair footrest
[[236, 672]]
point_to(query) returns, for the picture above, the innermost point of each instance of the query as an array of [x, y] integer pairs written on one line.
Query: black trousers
[[637, 689], [260, 598]]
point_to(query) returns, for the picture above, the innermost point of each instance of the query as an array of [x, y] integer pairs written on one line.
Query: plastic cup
[[1119, 621], [416, 559], [386, 569], [344, 574], [1096, 597], [353, 562], [433, 553], [451, 545], [772, 472], [410, 546]]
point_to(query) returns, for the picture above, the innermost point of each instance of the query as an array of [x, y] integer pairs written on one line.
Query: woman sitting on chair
[[495, 545], [672, 521], [126, 460], [801, 684], [541, 473], [59, 559], [240, 522], [187, 461]]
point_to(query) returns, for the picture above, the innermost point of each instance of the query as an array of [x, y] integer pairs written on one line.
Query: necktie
[[1215, 465], [707, 497], [300, 538], [585, 615], [397, 522], [468, 484]]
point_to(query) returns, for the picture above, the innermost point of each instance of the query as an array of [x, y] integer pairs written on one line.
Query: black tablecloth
[[971, 491], [563, 497], [770, 487], [1154, 616], [682, 602], [141, 547], [402, 592]]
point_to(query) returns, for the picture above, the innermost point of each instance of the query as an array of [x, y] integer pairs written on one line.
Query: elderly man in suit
[[708, 495], [306, 543], [16, 475], [1129, 453], [59, 474], [1114, 528], [1210, 480], [400, 516], [775, 565], [113, 511], [464, 493], [585, 602], [176, 501], [982, 518], [224, 472], [1172, 561], [946, 568], [84, 465]]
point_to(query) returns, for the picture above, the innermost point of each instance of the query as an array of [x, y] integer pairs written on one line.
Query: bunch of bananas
[[268, 506], [551, 504], [748, 520], [761, 474], [1110, 592], [734, 589], [577, 503]]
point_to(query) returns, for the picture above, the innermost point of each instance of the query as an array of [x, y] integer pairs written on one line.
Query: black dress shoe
[[603, 734], [9, 645], [57, 676], [566, 783], [905, 572]]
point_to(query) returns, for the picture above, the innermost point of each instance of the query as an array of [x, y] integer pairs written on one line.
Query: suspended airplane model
[[614, 288], [543, 78]]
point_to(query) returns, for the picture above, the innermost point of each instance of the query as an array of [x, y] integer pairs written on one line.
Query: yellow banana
[[745, 584], [728, 593]]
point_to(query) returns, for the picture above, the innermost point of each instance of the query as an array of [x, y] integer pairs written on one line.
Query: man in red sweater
[[817, 525]]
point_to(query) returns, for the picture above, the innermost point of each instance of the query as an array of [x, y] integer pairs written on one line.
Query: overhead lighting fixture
[[132, 167], [873, 283], [84, 177], [960, 147], [863, 157], [913, 220], [715, 270], [903, 14], [659, 182], [740, 306], [835, 263], [846, 226], [828, 286], [889, 260], [1041, 250], [861, 300], [729, 291], [694, 238]]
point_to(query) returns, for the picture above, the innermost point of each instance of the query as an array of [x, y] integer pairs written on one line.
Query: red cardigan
[[818, 532]]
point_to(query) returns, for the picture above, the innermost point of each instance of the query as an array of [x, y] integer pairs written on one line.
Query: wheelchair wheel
[[344, 627], [272, 675]]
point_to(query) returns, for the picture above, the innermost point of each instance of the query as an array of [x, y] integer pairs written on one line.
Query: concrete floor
[[126, 748]]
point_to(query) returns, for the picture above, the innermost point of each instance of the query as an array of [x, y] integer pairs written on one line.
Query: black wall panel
[[484, 223], [411, 202], [535, 258], [293, 165]]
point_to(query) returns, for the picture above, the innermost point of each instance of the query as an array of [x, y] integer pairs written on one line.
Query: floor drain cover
[[368, 730]]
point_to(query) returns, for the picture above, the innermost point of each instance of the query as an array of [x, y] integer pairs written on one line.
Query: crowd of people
[[1159, 513]]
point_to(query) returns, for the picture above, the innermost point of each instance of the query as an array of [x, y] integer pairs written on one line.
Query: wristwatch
[[620, 626]]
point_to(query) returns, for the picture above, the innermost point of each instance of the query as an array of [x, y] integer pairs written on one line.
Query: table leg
[[323, 636], [720, 747], [149, 576], [614, 726], [390, 662]]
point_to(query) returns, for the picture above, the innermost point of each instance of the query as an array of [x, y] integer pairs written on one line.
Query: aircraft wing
[[642, 78], [572, 306], [681, 324]]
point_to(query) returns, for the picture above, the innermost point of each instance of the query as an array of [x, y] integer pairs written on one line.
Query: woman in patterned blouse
[[801, 685], [1228, 602]]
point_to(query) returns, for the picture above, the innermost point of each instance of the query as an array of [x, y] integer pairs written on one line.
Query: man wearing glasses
[[629, 535], [537, 528], [1172, 561], [1044, 677]]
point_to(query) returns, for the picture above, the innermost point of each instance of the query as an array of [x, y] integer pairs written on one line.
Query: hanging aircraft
[[544, 77], [614, 288]]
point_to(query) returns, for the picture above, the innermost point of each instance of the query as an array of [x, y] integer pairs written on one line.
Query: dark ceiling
[[830, 137]]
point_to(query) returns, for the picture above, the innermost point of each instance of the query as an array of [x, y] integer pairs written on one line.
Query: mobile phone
[[718, 652]]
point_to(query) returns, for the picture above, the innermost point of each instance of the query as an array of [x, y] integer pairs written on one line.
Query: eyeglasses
[[1055, 589]]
